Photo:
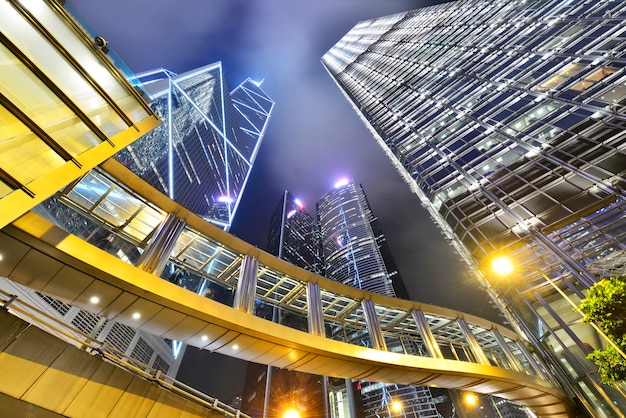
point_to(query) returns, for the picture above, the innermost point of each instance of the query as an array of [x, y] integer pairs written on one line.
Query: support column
[[246, 285], [427, 335], [157, 254], [513, 361], [477, 351], [373, 325], [314, 303], [316, 327]]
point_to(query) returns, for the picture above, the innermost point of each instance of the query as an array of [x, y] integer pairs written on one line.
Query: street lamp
[[470, 399], [291, 413], [396, 407], [503, 266]]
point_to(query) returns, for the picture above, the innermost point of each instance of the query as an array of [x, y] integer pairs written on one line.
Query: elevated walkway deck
[[485, 358]]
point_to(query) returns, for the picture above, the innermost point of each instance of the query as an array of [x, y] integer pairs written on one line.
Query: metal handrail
[[70, 334]]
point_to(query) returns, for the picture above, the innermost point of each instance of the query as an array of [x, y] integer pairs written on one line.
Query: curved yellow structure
[[454, 350]]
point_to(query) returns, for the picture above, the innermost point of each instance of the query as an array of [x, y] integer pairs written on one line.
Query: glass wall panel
[[40, 51]]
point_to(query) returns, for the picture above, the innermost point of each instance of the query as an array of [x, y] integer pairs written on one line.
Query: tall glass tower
[[507, 120], [351, 246], [294, 235], [270, 391], [352, 241], [201, 156]]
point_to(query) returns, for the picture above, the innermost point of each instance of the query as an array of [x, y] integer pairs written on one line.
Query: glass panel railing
[[207, 267]]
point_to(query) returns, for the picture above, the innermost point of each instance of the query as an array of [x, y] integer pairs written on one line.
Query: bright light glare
[[341, 183], [136, 315], [299, 203], [471, 399], [225, 199], [94, 300], [396, 406], [291, 413], [502, 266]]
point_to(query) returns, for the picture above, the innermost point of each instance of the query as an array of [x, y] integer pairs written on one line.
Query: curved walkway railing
[[216, 291]]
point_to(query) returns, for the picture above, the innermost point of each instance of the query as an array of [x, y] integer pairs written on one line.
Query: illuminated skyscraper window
[[203, 153], [355, 254], [507, 120]]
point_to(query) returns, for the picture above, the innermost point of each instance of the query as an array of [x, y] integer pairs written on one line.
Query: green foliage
[[605, 304], [611, 365]]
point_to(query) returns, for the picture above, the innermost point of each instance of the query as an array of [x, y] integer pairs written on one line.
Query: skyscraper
[[269, 391], [507, 120], [355, 250], [201, 156], [294, 235], [351, 242]]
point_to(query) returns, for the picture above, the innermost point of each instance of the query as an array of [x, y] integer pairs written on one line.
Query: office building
[[294, 235], [507, 120], [201, 156], [351, 242], [269, 391]]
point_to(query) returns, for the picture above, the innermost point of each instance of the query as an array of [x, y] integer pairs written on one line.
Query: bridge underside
[[35, 364], [45, 258]]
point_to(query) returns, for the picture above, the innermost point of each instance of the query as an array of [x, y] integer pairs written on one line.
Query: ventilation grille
[[142, 351], [161, 364], [120, 337], [86, 322], [57, 305]]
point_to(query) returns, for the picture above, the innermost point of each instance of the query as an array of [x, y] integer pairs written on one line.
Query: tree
[[605, 304]]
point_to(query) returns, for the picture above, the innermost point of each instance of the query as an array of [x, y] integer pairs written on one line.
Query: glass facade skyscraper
[[507, 120], [351, 242], [352, 253], [294, 235], [269, 391], [201, 156]]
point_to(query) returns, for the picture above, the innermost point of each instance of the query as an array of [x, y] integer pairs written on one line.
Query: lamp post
[[395, 407], [291, 413], [503, 266]]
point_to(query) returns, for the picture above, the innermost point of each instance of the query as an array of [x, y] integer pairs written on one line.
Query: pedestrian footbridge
[[123, 251]]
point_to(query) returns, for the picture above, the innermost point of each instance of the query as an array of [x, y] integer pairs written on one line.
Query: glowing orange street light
[[503, 266], [396, 407], [291, 413], [471, 399]]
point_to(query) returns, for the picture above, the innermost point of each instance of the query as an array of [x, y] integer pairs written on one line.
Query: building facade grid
[[507, 120]]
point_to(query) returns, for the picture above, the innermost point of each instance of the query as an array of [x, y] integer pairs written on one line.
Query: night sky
[[314, 137]]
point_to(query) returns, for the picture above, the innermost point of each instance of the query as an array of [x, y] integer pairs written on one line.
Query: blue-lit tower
[[507, 120], [201, 156]]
